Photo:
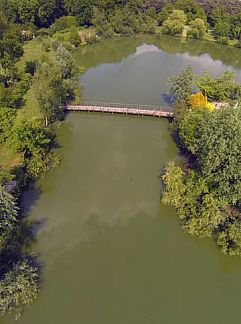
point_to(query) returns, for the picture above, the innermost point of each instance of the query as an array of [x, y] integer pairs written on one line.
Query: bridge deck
[[130, 110]]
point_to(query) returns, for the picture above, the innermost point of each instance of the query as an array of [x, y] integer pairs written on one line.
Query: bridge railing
[[124, 105]]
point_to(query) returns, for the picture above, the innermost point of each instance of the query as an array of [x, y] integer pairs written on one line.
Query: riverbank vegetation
[[33, 87], [207, 192]]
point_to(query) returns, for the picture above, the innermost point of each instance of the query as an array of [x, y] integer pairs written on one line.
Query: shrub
[[223, 40], [18, 287], [7, 117], [197, 29], [198, 100], [63, 23], [70, 35], [175, 24]]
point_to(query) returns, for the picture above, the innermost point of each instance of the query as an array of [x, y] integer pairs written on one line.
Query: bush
[[30, 138], [238, 45], [229, 238], [38, 166], [7, 117], [43, 32], [198, 209], [13, 96], [70, 35], [197, 29], [91, 38], [63, 23], [223, 40], [175, 24], [18, 287]]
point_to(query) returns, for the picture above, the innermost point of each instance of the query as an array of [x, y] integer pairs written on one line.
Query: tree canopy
[[207, 196]]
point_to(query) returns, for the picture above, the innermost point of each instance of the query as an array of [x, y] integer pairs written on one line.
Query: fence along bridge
[[125, 109]]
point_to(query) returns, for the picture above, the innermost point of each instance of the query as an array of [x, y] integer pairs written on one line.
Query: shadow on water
[[167, 98], [29, 198], [20, 242], [19, 246]]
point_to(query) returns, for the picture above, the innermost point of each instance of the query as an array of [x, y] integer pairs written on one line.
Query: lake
[[111, 253]]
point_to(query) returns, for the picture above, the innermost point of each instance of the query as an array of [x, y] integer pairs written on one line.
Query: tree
[[197, 29], [235, 26], [165, 13], [224, 87], [8, 215], [19, 287], [214, 139], [63, 23], [7, 117], [65, 63], [198, 209], [229, 237], [31, 139], [222, 28], [219, 148], [175, 24], [174, 185], [48, 81], [27, 11], [81, 9], [181, 85], [11, 46], [192, 9], [221, 22], [188, 129]]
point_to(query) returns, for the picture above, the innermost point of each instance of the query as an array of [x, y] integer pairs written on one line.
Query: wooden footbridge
[[118, 108]]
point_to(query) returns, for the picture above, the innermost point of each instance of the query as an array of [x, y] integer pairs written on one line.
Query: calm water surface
[[111, 253], [137, 70]]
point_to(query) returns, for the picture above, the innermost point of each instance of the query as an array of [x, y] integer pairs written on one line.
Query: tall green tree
[[192, 9], [199, 210], [48, 81], [181, 85], [81, 9], [219, 152], [197, 29], [175, 23], [165, 13]]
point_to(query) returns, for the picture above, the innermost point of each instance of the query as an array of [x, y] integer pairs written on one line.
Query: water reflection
[[142, 77]]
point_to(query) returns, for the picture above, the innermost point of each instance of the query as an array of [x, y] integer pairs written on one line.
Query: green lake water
[[111, 253]]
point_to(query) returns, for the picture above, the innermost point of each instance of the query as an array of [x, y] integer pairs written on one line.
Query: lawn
[[32, 51], [8, 159]]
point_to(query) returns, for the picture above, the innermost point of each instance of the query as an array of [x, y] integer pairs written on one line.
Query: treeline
[[52, 78], [207, 191], [135, 16], [42, 13]]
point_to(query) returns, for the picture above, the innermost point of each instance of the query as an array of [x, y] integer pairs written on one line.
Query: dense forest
[[135, 16], [46, 66]]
